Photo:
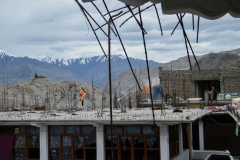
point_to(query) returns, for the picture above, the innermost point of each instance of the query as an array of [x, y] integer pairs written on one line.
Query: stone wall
[[183, 81]]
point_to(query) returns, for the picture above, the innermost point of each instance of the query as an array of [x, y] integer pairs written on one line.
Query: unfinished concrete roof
[[212, 9]]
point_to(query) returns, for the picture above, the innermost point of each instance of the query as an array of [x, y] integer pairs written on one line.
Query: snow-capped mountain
[[97, 67], [80, 69]]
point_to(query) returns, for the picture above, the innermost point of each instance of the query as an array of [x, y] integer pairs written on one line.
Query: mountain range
[[16, 69], [95, 69]]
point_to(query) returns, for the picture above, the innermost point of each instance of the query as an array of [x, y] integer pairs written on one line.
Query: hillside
[[44, 92]]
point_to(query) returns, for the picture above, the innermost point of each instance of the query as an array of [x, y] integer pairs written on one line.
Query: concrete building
[[85, 135], [196, 84]]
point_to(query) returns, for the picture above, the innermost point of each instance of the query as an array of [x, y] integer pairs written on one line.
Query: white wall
[[43, 137], [183, 156], [164, 141], [100, 141]]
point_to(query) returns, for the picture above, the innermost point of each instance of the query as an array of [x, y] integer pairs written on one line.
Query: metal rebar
[[181, 22], [102, 16], [119, 37], [110, 78], [158, 19], [198, 28], [91, 27], [149, 80], [135, 14], [177, 25], [140, 25]]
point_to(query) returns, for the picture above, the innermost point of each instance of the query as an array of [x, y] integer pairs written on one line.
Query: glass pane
[[5, 130], [116, 129], [78, 141], [88, 130], [67, 153], [109, 153], [19, 154], [32, 130], [132, 130], [150, 129], [90, 141], [125, 142], [54, 154], [22, 130], [79, 153], [153, 154], [56, 129], [33, 153], [54, 141], [108, 141], [33, 141], [72, 130], [125, 154], [152, 142], [138, 142], [139, 154], [91, 154], [16, 130], [66, 141], [20, 141]]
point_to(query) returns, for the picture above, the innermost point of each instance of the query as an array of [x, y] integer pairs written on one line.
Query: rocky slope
[[52, 95]]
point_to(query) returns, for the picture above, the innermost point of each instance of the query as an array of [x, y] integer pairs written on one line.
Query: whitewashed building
[[85, 135]]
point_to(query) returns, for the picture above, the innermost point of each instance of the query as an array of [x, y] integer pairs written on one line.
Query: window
[[173, 141], [132, 142], [26, 144], [72, 142], [185, 133]]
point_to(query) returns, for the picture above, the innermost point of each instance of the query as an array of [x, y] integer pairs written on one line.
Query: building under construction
[[187, 84]]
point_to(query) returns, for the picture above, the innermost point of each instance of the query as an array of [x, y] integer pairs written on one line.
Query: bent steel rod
[[115, 10], [198, 28], [102, 16], [158, 19], [140, 25], [135, 14], [110, 78], [177, 25], [193, 21], [149, 81], [91, 27], [119, 37], [92, 18], [115, 18], [185, 34], [181, 23]]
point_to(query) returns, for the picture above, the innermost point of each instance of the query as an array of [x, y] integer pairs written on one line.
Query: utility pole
[[110, 21], [93, 97]]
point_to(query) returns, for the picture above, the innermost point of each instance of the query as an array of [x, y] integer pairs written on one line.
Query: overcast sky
[[57, 28]]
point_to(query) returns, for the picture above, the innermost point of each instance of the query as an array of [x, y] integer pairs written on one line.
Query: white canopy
[[210, 9]]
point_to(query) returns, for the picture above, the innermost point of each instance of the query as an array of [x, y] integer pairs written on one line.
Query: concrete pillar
[[201, 135], [190, 142], [180, 138], [164, 141], [100, 141], [43, 142]]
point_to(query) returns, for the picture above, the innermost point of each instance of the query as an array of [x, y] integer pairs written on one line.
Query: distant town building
[[194, 83]]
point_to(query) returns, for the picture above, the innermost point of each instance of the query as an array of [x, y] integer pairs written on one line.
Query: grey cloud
[[58, 27]]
